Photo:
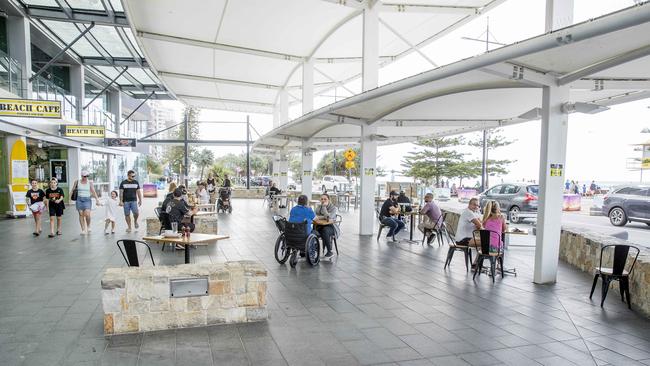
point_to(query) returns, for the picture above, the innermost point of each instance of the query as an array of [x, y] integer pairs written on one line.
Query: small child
[[112, 207]]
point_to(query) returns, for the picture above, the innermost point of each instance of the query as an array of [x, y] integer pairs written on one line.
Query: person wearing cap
[[388, 216], [85, 193]]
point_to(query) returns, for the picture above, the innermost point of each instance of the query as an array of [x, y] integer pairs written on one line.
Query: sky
[[599, 145]]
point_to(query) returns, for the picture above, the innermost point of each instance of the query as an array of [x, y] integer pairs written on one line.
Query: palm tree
[[203, 159]]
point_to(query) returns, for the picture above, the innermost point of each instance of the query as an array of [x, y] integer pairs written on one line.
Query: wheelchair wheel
[[229, 209], [312, 248], [293, 259], [281, 250]]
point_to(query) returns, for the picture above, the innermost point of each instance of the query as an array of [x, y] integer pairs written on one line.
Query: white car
[[334, 183]]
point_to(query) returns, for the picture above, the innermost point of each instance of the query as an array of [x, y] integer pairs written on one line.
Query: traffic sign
[[349, 165], [350, 154]]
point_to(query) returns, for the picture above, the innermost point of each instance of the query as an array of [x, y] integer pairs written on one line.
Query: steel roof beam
[[76, 16], [604, 65], [522, 74], [218, 80], [425, 8], [127, 42], [196, 142], [611, 84], [115, 61], [223, 100], [435, 123], [338, 83], [218, 46], [355, 4], [408, 43]]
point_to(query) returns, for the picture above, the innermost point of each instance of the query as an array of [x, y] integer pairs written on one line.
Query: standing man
[[130, 199]]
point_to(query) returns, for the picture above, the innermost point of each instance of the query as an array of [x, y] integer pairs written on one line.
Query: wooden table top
[[322, 222], [194, 239], [205, 205]]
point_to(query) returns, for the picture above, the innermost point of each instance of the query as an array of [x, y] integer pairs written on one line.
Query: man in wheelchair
[[296, 235]]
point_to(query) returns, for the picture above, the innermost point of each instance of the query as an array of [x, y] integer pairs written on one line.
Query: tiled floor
[[377, 303]]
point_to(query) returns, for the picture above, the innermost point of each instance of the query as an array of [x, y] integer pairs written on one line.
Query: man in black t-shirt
[[54, 195], [130, 199], [177, 209], [389, 209]]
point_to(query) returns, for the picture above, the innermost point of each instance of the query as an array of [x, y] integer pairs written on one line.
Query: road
[[638, 233]]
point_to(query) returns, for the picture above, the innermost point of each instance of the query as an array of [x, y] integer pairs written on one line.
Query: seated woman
[[202, 194], [327, 211], [493, 220]]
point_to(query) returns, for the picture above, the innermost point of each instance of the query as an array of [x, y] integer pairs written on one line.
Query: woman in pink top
[[493, 220]]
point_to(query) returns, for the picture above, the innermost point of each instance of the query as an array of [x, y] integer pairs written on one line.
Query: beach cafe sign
[[83, 131], [30, 108]]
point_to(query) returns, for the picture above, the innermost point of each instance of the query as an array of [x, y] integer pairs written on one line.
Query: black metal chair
[[616, 272], [456, 247], [381, 226], [485, 251], [337, 222], [129, 250]]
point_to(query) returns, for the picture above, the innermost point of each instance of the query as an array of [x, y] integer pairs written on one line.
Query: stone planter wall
[[581, 248], [138, 299], [203, 225], [254, 192]]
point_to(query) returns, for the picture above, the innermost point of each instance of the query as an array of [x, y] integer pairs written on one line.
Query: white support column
[[308, 86], [78, 89], [284, 106], [276, 168], [115, 107], [370, 64], [559, 14], [368, 173], [276, 116], [20, 48], [307, 166], [552, 164], [284, 172]]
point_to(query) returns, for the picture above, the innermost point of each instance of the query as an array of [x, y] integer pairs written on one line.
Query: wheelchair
[[294, 239]]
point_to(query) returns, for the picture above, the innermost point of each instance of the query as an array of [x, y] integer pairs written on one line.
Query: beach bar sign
[[30, 108], [83, 131]]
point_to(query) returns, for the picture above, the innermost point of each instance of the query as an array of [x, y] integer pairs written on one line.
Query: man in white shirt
[[470, 220]]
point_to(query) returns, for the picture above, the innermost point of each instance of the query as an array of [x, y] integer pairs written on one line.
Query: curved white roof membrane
[[237, 55], [603, 61]]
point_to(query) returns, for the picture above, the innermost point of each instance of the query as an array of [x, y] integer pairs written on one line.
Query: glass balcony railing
[[43, 89], [11, 75]]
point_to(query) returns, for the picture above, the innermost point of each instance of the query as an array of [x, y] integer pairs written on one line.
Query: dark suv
[[519, 200], [626, 204]]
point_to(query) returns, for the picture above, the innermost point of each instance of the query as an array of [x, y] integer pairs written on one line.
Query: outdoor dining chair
[[616, 272], [129, 250], [488, 250]]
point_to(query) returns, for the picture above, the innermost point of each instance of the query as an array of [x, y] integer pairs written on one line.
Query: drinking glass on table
[[174, 227]]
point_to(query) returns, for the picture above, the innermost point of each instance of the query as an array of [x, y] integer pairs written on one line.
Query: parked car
[[518, 200], [626, 204], [262, 180], [333, 183]]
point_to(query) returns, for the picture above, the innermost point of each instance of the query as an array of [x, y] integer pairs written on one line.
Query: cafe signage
[[117, 142], [83, 131], [30, 108]]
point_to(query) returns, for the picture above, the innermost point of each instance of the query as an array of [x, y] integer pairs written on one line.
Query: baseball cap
[[393, 193], [84, 173]]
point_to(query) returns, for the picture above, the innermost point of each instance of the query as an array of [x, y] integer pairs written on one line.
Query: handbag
[[73, 195]]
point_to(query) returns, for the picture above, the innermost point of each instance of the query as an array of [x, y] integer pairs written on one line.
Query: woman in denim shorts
[[85, 193]]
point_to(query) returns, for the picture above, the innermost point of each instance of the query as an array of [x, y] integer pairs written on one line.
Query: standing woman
[[55, 205], [85, 193], [35, 197]]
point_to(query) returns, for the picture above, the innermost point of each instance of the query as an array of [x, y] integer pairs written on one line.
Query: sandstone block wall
[[138, 299], [254, 192], [204, 225]]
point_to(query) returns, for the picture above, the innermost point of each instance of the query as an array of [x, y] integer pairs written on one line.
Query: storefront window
[[96, 164]]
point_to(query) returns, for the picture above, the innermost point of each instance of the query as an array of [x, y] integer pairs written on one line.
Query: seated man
[[433, 213], [302, 212], [388, 216], [470, 220], [179, 211], [273, 190]]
